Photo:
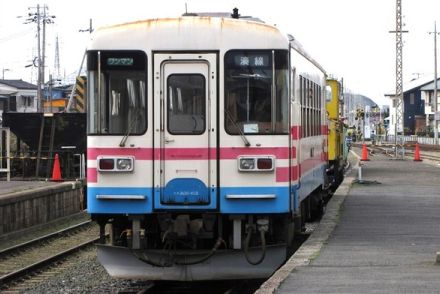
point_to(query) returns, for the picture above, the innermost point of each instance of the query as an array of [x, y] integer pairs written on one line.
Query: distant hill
[[358, 100], [352, 102]]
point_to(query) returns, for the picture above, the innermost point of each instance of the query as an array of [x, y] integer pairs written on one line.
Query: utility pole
[[5, 69], [43, 54], [72, 94], [39, 78], [40, 19], [398, 98], [57, 60], [50, 93], [435, 102], [90, 29]]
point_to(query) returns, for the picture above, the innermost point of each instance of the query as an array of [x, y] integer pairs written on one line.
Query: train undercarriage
[[202, 246]]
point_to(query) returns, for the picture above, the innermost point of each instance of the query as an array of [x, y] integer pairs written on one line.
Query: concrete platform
[[20, 186], [24, 204], [377, 237]]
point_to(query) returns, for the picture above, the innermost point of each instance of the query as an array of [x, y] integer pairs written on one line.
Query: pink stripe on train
[[190, 153]]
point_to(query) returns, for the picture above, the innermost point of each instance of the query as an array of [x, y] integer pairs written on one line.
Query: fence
[[412, 138]]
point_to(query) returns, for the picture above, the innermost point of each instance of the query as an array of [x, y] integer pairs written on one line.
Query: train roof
[[299, 48], [197, 31], [190, 33]]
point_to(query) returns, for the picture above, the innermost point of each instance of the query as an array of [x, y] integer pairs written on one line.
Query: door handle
[[166, 140]]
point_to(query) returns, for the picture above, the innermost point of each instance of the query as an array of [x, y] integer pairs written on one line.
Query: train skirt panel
[[121, 262]]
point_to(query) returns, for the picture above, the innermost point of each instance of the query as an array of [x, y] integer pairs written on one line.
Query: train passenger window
[[311, 104], [186, 95], [256, 92], [116, 92]]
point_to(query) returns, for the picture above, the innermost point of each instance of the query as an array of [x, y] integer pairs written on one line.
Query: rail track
[[31, 262], [429, 156]]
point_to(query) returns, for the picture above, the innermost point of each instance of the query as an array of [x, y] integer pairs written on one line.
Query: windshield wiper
[[243, 137], [255, 76], [133, 122]]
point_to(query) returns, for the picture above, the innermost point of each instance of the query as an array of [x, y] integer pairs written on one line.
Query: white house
[[17, 95], [428, 97]]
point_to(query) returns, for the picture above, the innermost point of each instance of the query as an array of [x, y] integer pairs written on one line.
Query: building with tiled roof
[[19, 84], [18, 95]]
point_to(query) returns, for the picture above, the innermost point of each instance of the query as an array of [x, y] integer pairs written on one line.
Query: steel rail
[[43, 238], [8, 278]]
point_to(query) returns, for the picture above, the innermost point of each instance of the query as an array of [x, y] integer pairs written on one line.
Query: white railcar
[[206, 146]]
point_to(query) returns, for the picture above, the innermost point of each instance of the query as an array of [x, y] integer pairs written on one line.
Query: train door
[[184, 139]]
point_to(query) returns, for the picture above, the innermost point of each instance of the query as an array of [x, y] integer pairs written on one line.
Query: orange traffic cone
[[364, 153], [56, 171], [417, 153]]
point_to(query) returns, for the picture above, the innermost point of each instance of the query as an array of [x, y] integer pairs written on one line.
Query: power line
[[16, 35]]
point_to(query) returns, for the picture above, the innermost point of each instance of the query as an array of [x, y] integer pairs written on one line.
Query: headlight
[[124, 164], [247, 163]]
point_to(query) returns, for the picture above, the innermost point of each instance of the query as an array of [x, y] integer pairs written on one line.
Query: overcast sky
[[350, 38]]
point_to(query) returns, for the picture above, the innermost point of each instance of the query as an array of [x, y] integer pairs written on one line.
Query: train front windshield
[[117, 92], [256, 92]]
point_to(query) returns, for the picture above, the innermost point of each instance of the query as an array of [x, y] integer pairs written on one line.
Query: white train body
[[204, 134]]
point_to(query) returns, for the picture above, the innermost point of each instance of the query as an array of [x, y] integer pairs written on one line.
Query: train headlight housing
[[246, 164], [115, 164], [124, 164], [256, 163]]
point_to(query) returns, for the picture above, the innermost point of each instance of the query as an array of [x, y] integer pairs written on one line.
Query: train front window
[[116, 92], [256, 92]]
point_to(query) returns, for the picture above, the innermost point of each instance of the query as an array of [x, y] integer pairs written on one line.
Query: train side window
[[302, 91], [292, 84]]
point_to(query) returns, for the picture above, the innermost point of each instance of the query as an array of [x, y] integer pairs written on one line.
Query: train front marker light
[[106, 164], [265, 164]]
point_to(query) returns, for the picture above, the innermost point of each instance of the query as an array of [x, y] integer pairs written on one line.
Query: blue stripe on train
[[311, 181], [107, 204], [255, 200]]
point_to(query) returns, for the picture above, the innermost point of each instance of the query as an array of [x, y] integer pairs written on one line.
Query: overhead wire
[[17, 35]]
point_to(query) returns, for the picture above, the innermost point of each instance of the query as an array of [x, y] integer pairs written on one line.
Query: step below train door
[[185, 167]]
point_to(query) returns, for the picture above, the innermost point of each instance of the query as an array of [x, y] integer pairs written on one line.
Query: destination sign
[[120, 61], [260, 60]]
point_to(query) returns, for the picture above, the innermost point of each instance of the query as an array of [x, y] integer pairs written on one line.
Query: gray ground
[[387, 237]]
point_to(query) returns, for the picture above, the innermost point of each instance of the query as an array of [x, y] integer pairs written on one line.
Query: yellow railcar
[[337, 148]]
